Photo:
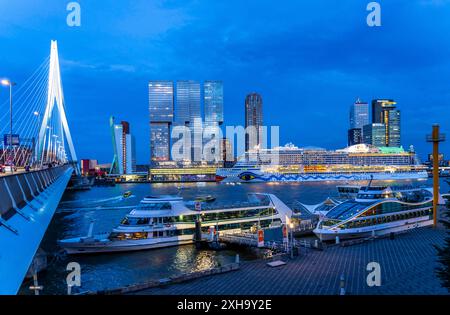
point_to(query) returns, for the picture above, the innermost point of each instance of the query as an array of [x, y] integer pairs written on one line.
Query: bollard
[[337, 240], [316, 243], [342, 285], [237, 259]]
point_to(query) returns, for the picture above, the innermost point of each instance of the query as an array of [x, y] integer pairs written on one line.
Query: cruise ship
[[376, 211], [290, 163], [170, 220]]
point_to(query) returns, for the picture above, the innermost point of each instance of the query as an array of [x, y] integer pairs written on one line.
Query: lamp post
[[36, 153], [9, 83]]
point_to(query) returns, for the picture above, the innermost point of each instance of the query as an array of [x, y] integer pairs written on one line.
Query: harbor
[[224, 155], [407, 266], [106, 206]]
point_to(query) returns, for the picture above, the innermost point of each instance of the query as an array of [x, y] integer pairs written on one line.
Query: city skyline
[[293, 78]]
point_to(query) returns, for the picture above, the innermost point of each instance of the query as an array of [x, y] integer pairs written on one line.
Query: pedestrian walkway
[[407, 263]]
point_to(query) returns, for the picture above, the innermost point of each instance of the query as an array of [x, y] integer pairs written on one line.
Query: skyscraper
[[161, 117], [124, 149], [394, 139], [379, 106], [355, 136], [374, 134], [213, 109], [188, 113], [385, 112], [213, 101], [359, 114], [254, 117]]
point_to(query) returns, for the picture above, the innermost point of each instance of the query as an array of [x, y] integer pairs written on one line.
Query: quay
[[407, 262]]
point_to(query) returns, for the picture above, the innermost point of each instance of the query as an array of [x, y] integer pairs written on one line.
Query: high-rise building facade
[[359, 114], [213, 109], [393, 134], [385, 112], [124, 148], [374, 134], [213, 101], [161, 109], [254, 117], [355, 136], [188, 113], [226, 151]]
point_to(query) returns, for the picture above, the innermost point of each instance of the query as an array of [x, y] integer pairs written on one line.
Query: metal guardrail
[[18, 190]]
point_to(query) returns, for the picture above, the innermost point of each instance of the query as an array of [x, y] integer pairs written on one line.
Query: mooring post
[[435, 138], [237, 259], [342, 285]]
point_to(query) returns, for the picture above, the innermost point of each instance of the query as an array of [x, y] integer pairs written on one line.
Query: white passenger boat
[[378, 211], [169, 221]]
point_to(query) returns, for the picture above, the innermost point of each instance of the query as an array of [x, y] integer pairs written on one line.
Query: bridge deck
[[28, 202]]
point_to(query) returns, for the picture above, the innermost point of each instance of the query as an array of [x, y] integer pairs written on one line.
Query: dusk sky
[[309, 60]]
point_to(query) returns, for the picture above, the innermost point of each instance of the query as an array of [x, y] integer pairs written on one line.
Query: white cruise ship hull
[[77, 246], [233, 175], [375, 230]]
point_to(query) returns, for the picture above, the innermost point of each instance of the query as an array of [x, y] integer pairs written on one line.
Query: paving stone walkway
[[407, 263]]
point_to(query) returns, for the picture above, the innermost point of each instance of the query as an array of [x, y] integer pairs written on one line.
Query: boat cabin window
[[136, 221], [155, 206], [128, 236]]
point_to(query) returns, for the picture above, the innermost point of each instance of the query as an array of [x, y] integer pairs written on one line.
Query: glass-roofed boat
[[378, 210]]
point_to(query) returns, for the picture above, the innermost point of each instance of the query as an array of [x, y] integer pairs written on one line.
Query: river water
[[106, 207]]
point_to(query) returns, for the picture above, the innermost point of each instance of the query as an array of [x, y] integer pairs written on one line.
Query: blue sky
[[308, 59]]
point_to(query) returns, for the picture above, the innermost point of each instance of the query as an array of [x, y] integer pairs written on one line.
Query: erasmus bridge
[[37, 159]]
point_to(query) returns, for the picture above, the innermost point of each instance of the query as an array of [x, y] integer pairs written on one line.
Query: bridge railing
[[18, 190]]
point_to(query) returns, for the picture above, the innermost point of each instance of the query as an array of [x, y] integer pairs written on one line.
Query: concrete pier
[[407, 264]]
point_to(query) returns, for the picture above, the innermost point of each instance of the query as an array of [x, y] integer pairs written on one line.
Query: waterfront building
[[188, 113], [161, 109], [385, 112], [124, 149], [375, 134], [213, 101], [254, 117], [359, 114], [88, 167], [393, 132], [226, 151], [213, 109], [355, 136]]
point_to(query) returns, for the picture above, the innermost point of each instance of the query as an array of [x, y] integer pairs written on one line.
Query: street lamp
[[36, 153], [9, 83]]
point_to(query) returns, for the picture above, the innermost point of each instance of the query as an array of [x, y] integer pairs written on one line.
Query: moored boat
[[376, 211], [169, 220]]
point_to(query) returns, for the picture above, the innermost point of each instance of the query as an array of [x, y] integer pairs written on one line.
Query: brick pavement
[[407, 267]]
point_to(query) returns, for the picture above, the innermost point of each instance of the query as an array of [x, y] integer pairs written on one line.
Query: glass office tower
[[213, 109], [188, 113], [254, 117], [385, 112], [161, 117], [359, 114], [374, 134]]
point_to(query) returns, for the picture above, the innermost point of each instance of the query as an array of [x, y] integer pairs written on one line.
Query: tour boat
[[169, 221], [378, 211]]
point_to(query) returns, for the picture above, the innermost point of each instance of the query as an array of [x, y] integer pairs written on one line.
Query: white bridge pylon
[[46, 139]]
